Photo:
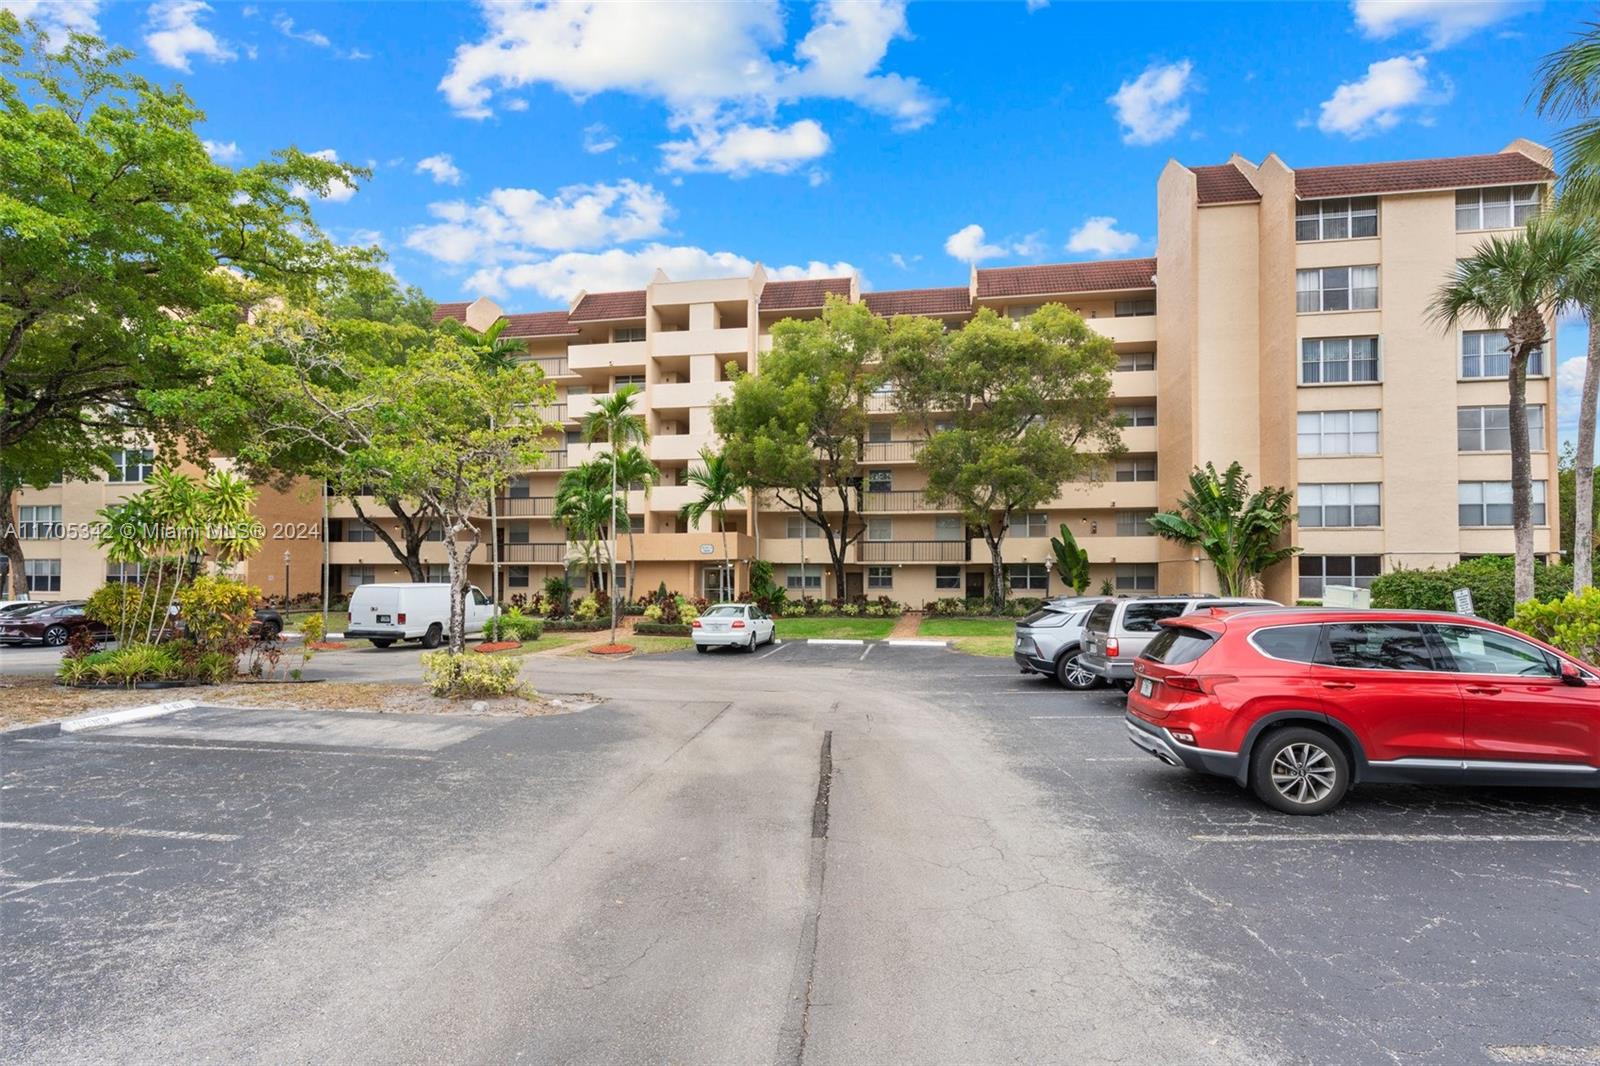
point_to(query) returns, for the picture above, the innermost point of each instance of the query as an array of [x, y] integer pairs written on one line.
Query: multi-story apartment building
[[1283, 322]]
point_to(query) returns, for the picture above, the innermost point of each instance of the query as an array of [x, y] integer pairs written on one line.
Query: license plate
[[1146, 687], [383, 618]]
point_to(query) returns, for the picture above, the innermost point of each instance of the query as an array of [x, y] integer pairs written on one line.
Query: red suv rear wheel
[[1299, 770]]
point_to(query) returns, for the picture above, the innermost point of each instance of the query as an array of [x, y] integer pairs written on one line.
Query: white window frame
[[42, 575], [1318, 433], [1522, 204], [1479, 430], [1352, 496], [943, 580], [1139, 469], [1135, 362], [793, 522], [142, 464], [1477, 337], [943, 523], [39, 521], [627, 334], [880, 529], [1477, 494], [1030, 524], [880, 577], [1357, 580], [806, 578], [1137, 415], [367, 575], [1321, 289], [1135, 523], [1138, 307], [880, 480], [1135, 577], [1028, 577], [1326, 215], [1348, 360]]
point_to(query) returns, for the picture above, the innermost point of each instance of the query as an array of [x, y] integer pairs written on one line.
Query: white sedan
[[735, 625]]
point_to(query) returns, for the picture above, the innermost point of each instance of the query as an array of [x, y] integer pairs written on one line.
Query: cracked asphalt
[[982, 870]]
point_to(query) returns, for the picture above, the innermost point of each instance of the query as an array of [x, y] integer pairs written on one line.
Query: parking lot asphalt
[[991, 873]]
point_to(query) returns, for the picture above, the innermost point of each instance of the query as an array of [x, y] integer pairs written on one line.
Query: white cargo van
[[384, 614]]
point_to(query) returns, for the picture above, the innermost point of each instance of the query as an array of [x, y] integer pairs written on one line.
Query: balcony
[[1134, 329], [689, 393], [891, 451], [621, 355], [369, 552], [1139, 439], [553, 552], [912, 551], [525, 506], [684, 547], [676, 447], [554, 366], [555, 459], [555, 412], [726, 341], [896, 500], [1133, 384], [672, 497], [1106, 496]]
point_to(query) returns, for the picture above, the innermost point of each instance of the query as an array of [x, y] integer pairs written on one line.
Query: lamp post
[[286, 558]]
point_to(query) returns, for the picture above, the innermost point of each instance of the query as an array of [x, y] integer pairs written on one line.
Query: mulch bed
[[502, 645], [327, 645], [612, 649]]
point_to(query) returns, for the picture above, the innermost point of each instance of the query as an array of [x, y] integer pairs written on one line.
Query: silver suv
[[1048, 641], [1118, 630]]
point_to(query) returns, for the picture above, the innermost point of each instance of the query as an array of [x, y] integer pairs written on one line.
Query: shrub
[[513, 625], [214, 667], [656, 629], [652, 613], [557, 596], [311, 629], [587, 609], [1571, 623], [850, 609], [826, 609], [689, 610], [874, 610], [1491, 579], [472, 676], [1107, 588], [217, 611], [794, 610], [126, 666]]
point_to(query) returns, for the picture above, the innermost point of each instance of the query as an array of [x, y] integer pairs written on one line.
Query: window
[[1136, 470], [131, 465], [627, 379], [1336, 289], [1484, 355], [1135, 523], [1338, 432], [574, 436], [1335, 220], [947, 577], [577, 578], [434, 533], [1501, 208], [516, 532], [1144, 415], [1488, 503], [1298, 644], [1030, 524], [355, 531], [1319, 571], [880, 577], [947, 527], [517, 577], [880, 480], [1146, 617], [437, 574], [44, 575], [1028, 577], [124, 573], [1483, 651], [359, 575], [39, 522], [1136, 308], [1339, 505], [880, 529], [1338, 360], [1488, 429], [627, 334], [1017, 312], [636, 523], [797, 528], [802, 578], [880, 432], [518, 488], [1375, 646], [1176, 645], [1136, 361], [1136, 577]]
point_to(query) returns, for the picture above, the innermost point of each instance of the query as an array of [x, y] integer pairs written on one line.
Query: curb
[[103, 719], [901, 642], [834, 640]]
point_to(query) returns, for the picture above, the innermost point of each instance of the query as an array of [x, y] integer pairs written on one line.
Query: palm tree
[[1568, 87], [496, 353], [635, 467], [1237, 530], [583, 507], [614, 420], [1521, 281], [718, 487]]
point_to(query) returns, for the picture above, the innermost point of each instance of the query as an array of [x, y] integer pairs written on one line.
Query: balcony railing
[[554, 366], [555, 459], [555, 552], [525, 506], [555, 412], [891, 451], [895, 500], [913, 551]]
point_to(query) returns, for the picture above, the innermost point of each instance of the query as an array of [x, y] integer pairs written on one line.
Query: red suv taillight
[[1203, 683], [1113, 647]]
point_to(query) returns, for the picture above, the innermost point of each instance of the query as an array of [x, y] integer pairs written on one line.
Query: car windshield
[[18, 609], [725, 611], [1100, 617], [1176, 645], [1046, 617]]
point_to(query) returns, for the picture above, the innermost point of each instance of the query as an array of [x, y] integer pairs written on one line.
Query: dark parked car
[[268, 623], [48, 623]]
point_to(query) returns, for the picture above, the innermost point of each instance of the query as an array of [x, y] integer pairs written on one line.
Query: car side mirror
[[1571, 675]]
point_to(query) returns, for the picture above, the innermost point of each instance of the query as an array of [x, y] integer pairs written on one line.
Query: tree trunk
[[611, 548], [413, 532], [1583, 465], [458, 593], [1521, 474], [11, 544], [727, 557], [997, 594]]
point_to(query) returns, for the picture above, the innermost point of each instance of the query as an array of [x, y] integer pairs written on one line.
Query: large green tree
[[1240, 531], [1014, 410], [795, 428], [123, 248]]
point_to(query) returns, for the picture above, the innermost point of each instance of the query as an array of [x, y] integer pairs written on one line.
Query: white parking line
[[866, 653], [121, 831], [780, 646], [89, 744], [834, 640], [1071, 717], [906, 643], [1397, 838], [101, 719]]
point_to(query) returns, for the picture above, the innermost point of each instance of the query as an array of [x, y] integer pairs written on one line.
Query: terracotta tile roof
[[1366, 179], [597, 306], [1106, 275], [538, 324], [1225, 184], [951, 301], [456, 311], [790, 295]]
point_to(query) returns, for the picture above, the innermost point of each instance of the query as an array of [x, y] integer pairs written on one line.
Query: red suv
[[1301, 704]]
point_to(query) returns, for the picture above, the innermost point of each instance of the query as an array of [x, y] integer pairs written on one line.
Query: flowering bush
[[851, 609], [795, 609], [470, 675], [689, 610], [587, 610], [652, 612]]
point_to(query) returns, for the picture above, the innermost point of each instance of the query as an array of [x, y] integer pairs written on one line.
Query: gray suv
[[1048, 641], [1118, 630]]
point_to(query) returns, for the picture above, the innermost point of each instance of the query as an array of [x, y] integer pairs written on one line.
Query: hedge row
[[1492, 580], [661, 629]]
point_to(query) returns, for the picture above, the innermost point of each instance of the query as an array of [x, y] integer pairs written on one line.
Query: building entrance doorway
[[974, 584]]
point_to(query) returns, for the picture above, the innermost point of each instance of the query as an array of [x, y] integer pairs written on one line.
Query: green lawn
[[337, 620], [975, 636], [546, 642], [643, 645], [834, 627]]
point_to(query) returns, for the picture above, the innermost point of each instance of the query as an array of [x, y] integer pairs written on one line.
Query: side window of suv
[[1376, 646], [1145, 617], [1297, 644], [1483, 651]]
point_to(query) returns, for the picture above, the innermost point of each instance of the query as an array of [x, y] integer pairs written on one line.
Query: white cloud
[[1442, 22], [562, 276], [598, 138], [1099, 236], [1379, 100], [1037, 5], [339, 190], [904, 262], [742, 149], [1151, 107], [173, 33], [441, 167], [970, 245], [723, 78], [285, 25], [517, 224], [1569, 378], [223, 151], [55, 18]]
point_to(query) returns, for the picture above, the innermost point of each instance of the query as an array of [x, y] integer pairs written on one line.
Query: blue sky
[[530, 150]]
